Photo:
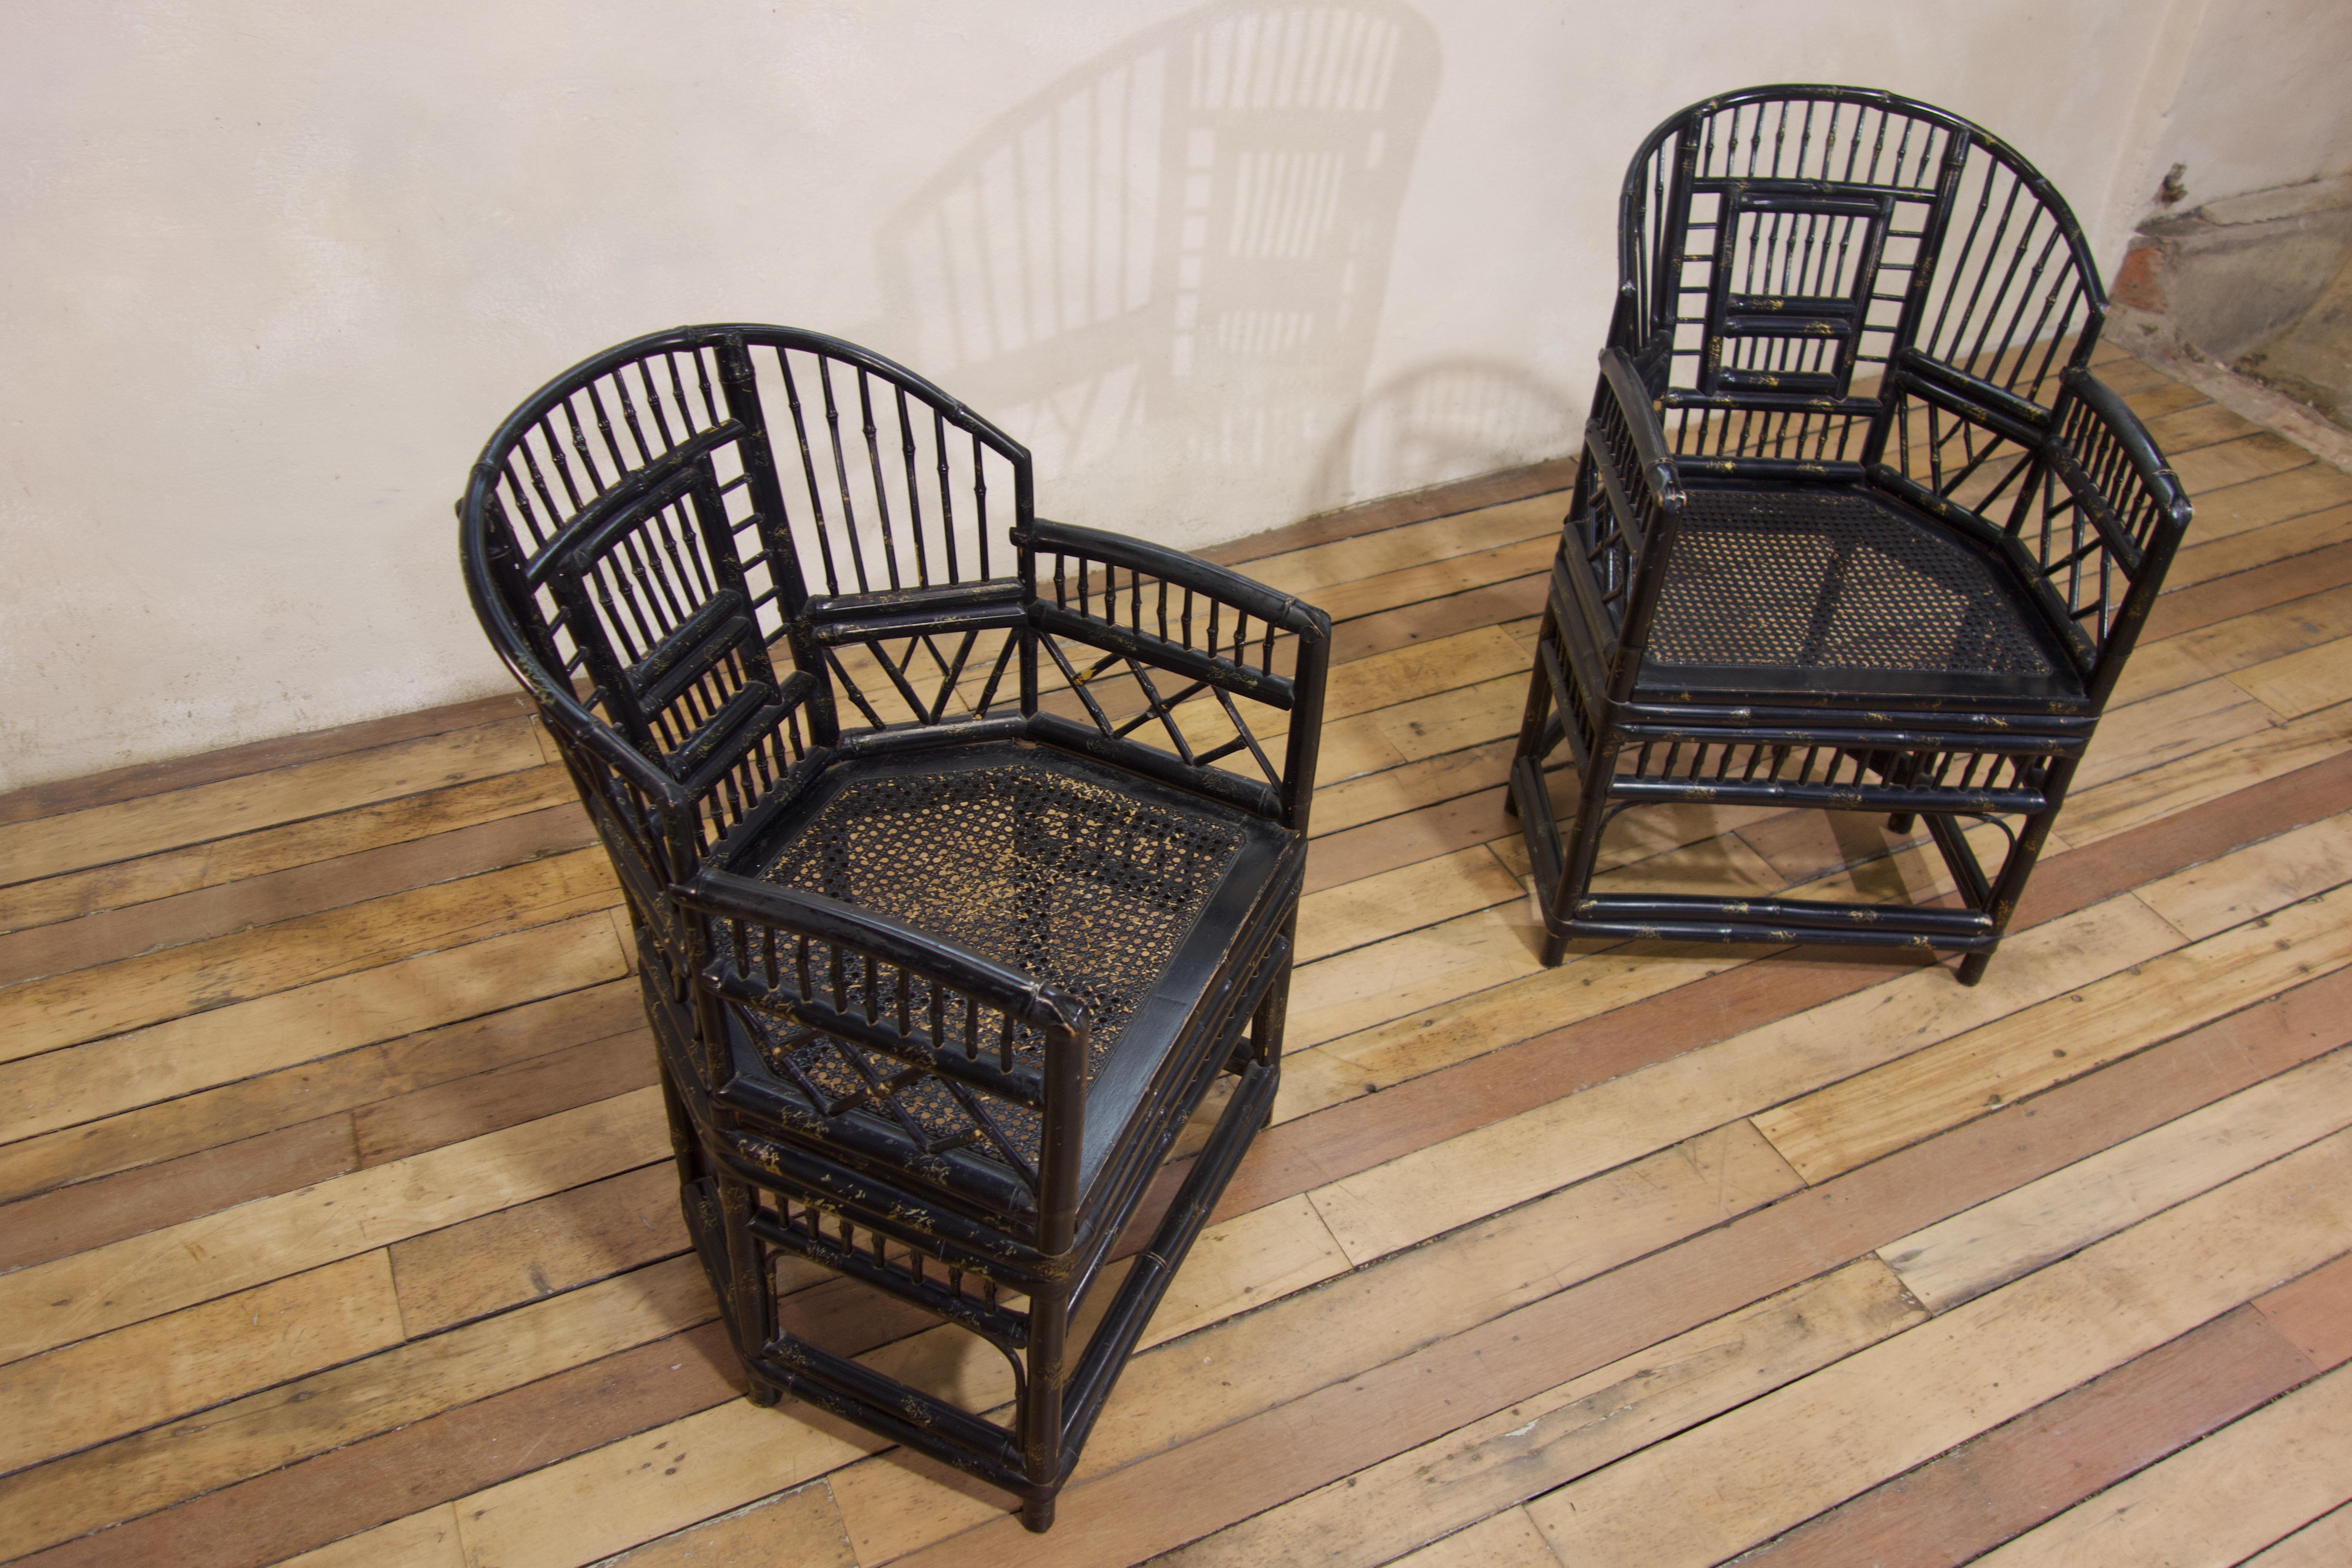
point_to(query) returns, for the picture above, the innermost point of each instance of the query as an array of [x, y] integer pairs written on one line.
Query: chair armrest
[[2129, 513], [1174, 567], [1650, 355], [1639, 488], [2117, 460], [700, 801], [1652, 464], [577, 729], [797, 912], [1215, 628]]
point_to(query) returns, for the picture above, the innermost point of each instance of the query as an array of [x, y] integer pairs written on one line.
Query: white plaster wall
[[272, 270], [2263, 96]]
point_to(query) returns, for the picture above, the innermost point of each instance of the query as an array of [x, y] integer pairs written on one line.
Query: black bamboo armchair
[[1854, 525], [960, 859]]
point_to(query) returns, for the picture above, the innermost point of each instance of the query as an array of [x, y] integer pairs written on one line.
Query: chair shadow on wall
[[1173, 258]]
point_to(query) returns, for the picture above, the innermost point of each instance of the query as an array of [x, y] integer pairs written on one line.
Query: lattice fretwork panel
[[1223, 705], [935, 677], [1610, 534], [850, 1032], [1059, 878], [2088, 522], [1958, 460]]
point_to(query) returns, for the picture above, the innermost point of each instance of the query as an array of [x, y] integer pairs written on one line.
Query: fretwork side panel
[[1227, 707]]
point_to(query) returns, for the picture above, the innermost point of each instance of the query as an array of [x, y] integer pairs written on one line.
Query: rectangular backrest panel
[[658, 589], [643, 570], [628, 501], [1774, 244], [1791, 295], [1788, 256]]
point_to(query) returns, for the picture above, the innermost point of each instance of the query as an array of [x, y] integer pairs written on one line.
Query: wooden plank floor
[[337, 1224]]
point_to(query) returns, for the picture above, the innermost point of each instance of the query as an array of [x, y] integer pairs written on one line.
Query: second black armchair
[[1855, 527]]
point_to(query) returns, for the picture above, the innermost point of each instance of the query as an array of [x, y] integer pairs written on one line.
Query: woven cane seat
[[1838, 579], [1075, 875]]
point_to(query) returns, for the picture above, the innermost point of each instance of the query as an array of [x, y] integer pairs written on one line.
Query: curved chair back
[[1854, 526], [719, 556], [636, 545], [1789, 243], [1836, 283]]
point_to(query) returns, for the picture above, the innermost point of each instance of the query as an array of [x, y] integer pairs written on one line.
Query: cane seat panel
[[1077, 875], [1836, 580]]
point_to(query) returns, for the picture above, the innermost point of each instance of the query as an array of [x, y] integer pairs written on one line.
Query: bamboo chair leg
[[1267, 1026], [1582, 852], [746, 1301], [1041, 1402], [1539, 704], [2010, 887]]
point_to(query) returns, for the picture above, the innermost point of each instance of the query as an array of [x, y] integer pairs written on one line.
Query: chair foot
[[1972, 967], [764, 1395], [1901, 821], [1555, 949], [1037, 1515]]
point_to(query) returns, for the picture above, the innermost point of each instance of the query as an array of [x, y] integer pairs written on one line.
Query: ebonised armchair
[[1854, 526], [959, 870]]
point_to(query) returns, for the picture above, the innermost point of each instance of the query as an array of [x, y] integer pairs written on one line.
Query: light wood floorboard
[[337, 1228]]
